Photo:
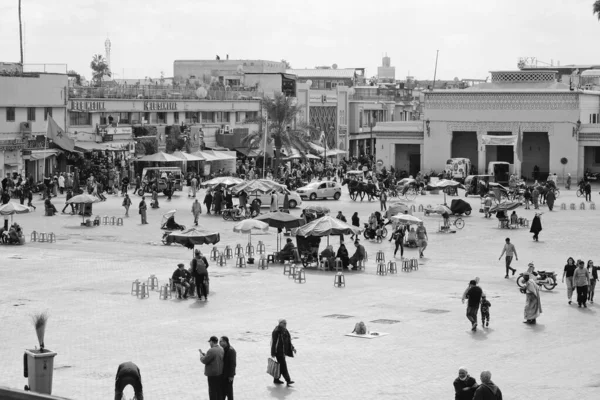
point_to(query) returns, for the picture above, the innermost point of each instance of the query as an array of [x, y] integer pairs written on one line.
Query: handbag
[[273, 368]]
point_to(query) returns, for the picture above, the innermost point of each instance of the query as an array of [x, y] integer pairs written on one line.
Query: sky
[[473, 36]]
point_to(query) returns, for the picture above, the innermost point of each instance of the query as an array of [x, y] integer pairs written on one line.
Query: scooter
[[370, 234], [547, 279]]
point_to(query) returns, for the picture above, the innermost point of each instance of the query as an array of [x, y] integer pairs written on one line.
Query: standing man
[[550, 198], [194, 184], [128, 374], [199, 266], [142, 208], [581, 282], [464, 385], [510, 251], [281, 346], [61, 183], [399, 240], [124, 185], [422, 239], [487, 390], [229, 364], [568, 273], [274, 202], [533, 306], [196, 210], [208, 199], [473, 295], [383, 200], [213, 368]]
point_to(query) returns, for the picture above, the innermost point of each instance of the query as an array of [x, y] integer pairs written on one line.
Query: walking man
[[487, 390], [142, 208], [581, 282], [128, 374], [281, 346], [69, 195], [473, 295], [510, 251], [533, 306], [194, 186], [196, 210], [383, 200], [422, 239], [229, 364], [213, 368], [399, 240]]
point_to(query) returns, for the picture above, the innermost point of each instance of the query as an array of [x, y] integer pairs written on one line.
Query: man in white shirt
[[510, 251]]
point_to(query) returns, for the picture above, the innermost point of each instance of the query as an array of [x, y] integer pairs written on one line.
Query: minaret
[[107, 49]]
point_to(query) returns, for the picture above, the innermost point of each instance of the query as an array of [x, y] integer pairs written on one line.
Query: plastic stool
[[97, 221], [214, 253], [152, 282], [135, 287], [239, 250], [143, 293], [563, 206], [221, 260], [325, 264], [592, 206], [119, 221], [421, 208], [33, 237], [165, 292], [249, 250], [51, 238], [300, 276], [293, 271], [262, 264], [412, 208], [360, 265], [241, 262], [172, 285], [414, 263], [339, 280], [260, 248], [287, 269], [42, 237], [271, 258], [366, 256], [582, 206], [392, 267], [228, 252], [381, 269], [572, 207], [113, 220], [380, 257], [105, 220], [405, 265]]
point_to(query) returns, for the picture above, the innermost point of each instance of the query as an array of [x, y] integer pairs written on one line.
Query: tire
[[579, 193], [140, 192], [550, 286], [411, 194], [384, 232], [521, 281], [293, 204], [165, 242], [226, 215], [459, 223], [468, 212], [313, 196], [557, 193], [365, 235], [337, 196], [353, 196]]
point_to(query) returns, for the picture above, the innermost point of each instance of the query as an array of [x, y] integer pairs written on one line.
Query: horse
[[359, 188]]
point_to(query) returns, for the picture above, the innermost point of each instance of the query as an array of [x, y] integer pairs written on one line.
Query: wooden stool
[[165, 292], [380, 257], [406, 265], [338, 264], [214, 253], [152, 282], [262, 264], [271, 258], [241, 262], [135, 287], [381, 269], [260, 248], [143, 292], [300, 276], [414, 263], [392, 267], [228, 252], [339, 280]]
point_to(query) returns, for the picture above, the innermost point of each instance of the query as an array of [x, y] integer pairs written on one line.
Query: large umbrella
[[258, 185], [326, 226], [187, 156], [506, 206], [317, 209], [83, 199], [248, 225], [445, 183], [192, 237], [407, 218], [226, 181], [397, 208], [280, 220], [11, 209], [439, 209], [160, 157]]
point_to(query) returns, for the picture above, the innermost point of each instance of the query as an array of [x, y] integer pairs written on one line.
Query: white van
[[501, 170]]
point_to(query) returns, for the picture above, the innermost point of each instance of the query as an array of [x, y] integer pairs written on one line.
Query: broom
[[39, 322]]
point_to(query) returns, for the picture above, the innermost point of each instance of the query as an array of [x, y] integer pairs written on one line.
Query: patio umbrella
[[11, 209], [226, 181], [506, 206], [187, 156], [160, 157], [280, 220], [192, 237], [326, 226], [409, 219], [317, 209], [257, 185], [83, 199], [439, 209], [397, 208], [248, 225], [445, 183]]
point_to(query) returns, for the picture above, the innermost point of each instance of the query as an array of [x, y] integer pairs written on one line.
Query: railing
[[47, 68], [148, 92], [379, 97]]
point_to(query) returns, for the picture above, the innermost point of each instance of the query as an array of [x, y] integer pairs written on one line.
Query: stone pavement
[[84, 281]]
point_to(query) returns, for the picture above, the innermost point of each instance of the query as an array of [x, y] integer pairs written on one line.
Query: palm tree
[[282, 115], [99, 69], [596, 8]]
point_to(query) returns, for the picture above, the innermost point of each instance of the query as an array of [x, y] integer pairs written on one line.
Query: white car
[[265, 199], [320, 190]]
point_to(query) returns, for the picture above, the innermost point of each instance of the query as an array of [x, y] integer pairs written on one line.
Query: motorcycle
[[370, 234], [546, 279]]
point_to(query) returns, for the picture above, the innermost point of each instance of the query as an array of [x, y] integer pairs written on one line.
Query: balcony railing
[[380, 97], [150, 92]]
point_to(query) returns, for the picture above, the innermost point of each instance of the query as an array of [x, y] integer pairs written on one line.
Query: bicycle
[[458, 222]]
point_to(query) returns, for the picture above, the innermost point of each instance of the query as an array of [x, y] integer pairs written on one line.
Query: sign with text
[[78, 105], [160, 105], [324, 98], [120, 130]]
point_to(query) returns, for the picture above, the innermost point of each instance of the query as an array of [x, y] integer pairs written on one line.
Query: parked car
[[320, 190], [265, 198]]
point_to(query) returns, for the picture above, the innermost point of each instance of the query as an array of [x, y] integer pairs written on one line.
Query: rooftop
[[399, 126], [322, 73]]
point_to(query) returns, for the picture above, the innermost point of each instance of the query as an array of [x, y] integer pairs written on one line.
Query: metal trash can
[[40, 367]]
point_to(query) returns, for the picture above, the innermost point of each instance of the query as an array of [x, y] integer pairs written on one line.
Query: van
[[501, 170], [158, 176]]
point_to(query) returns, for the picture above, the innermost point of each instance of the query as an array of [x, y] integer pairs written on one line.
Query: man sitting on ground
[[180, 278]]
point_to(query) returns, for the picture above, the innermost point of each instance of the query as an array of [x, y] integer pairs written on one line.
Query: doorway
[[464, 145], [414, 164], [536, 151]]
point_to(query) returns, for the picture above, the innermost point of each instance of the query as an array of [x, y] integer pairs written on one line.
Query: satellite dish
[[334, 66], [201, 93]]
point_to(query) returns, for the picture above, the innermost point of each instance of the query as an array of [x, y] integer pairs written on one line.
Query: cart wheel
[[468, 212], [411, 194], [459, 223], [140, 192], [165, 242]]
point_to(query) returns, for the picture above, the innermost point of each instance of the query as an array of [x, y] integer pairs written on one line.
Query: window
[[594, 118], [10, 114], [123, 118], [103, 120], [596, 155], [30, 113], [360, 120], [252, 115], [136, 118], [77, 118], [191, 117], [175, 117], [221, 117], [208, 116], [162, 117], [47, 112]]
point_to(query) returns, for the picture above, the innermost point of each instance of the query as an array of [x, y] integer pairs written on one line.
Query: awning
[[40, 154], [248, 152], [211, 155], [117, 145]]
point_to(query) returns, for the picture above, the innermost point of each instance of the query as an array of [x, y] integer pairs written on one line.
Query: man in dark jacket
[[128, 374], [473, 295], [180, 279], [199, 266], [487, 390], [464, 385], [208, 200], [281, 346], [213, 368], [229, 364]]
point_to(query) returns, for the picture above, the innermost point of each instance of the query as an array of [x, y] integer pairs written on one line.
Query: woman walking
[[126, 204], [593, 275], [581, 281], [536, 226], [568, 273]]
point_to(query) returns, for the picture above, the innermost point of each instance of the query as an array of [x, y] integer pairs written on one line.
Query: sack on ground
[[360, 328]]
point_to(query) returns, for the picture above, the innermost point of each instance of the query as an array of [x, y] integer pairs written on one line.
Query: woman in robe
[[536, 226], [533, 305]]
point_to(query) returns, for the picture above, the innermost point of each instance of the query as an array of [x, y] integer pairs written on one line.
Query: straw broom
[[39, 322]]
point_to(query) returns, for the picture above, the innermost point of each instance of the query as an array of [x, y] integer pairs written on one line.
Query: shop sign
[[160, 105], [37, 144], [120, 130], [77, 105], [11, 144], [324, 98]]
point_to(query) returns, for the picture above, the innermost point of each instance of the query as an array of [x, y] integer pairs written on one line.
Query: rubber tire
[[225, 216], [410, 195], [579, 193], [337, 196], [459, 223], [259, 202], [385, 232], [549, 286], [557, 193], [521, 281], [293, 204], [313, 196], [140, 192], [468, 212]]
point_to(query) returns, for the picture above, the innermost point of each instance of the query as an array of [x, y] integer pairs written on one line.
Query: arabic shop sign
[[160, 105], [11, 144], [77, 105]]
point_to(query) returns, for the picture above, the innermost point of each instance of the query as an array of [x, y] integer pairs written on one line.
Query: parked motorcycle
[[546, 279], [369, 233]]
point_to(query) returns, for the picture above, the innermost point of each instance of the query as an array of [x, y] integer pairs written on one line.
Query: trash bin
[[40, 366]]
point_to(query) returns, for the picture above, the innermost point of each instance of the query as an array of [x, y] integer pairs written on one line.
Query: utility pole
[[435, 71], [20, 33]]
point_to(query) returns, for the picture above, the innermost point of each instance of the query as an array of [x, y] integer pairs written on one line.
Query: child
[[485, 311], [379, 234]]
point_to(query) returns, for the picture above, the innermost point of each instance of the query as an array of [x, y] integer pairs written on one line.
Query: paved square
[[84, 281]]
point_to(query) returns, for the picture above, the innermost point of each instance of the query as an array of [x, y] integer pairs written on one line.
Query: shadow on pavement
[[280, 391]]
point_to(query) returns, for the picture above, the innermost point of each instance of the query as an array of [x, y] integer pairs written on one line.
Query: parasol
[[407, 218], [445, 183], [439, 209], [258, 185], [83, 199], [226, 181], [192, 237], [280, 220], [160, 157], [326, 226], [317, 209], [397, 208], [248, 225], [11, 209], [506, 206]]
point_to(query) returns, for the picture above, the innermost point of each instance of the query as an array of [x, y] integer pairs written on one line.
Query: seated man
[[502, 219], [50, 209], [329, 255], [411, 239], [342, 254], [180, 279], [358, 255], [287, 253]]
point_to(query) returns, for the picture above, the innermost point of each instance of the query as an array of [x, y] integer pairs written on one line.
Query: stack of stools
[[221, 260], [241, 261], [381, 269], [414, 263], [249, 250], [339, 280], [339, 265], [228, 252], [300, 276], [152, 282], [287, 269], [405, 265], [379, 257], [260, 248], [214, 253], [392, 267], [165, 292], [262, 263], [293, 271], [239, 250]]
